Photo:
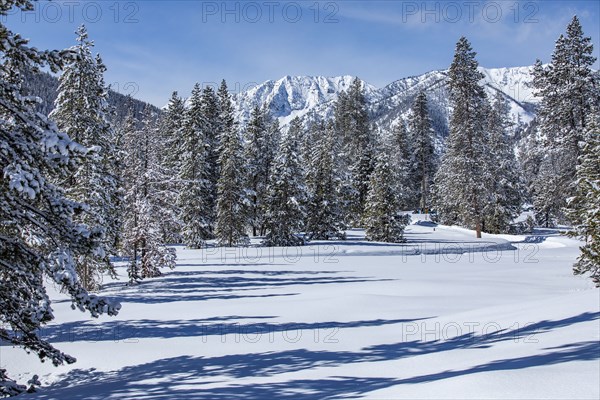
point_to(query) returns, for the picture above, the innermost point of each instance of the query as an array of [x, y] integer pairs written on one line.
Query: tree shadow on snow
[[213, 330], [223, 285], [222, 377]]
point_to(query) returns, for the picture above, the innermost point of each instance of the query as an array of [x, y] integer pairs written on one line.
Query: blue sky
[[152, 47]]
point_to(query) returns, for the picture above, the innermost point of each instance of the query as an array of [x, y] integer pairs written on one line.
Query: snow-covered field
[[442, 316]]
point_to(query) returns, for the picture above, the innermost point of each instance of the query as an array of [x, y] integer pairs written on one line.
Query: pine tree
[[352, 124], [461, 182], [259, 153], [397, 144], [547, 193], [169, 164], [39, 237], [568, 93], [81, 110], [211, 116], [286, 192], [584, 207], [194, 190], [423, 152], [143, 240], [230, 228], [383, 222], [325, 215], [171, 125], [307, 141], [530, 155], [505, 201]]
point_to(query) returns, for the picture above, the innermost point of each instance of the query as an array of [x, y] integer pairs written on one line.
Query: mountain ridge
[[314, 96]]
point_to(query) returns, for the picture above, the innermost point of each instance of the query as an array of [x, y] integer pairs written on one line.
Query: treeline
[[191, 174]]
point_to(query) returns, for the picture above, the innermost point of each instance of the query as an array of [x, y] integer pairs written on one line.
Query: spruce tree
[[325, 214], [81, 110], [308, 140], [568, 92], [259, 153], [39, 236], [352, 124], [547, 192], [530, 155], [504, 203], [423, 152], [383, 221], [286, 192], [169, 143], [232, 200], [461, 188], [584, 207], [171, 125], [194, 186], [400, 149], [211, 116], [143, 239]]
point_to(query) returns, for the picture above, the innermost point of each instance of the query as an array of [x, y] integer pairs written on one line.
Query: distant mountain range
[[314, 97]]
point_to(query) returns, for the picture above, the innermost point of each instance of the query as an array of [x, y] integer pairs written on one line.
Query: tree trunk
[[423, 195], [478, 228]]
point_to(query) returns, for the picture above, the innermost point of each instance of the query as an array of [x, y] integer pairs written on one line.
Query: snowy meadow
[[441, 316]]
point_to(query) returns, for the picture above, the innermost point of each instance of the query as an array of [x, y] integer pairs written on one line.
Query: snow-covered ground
[[442, 316]]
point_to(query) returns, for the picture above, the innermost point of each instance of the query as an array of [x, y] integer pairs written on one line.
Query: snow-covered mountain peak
[[294, 96], [299, 96]]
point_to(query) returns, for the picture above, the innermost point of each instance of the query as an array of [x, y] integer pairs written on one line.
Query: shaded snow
[[350, 319]]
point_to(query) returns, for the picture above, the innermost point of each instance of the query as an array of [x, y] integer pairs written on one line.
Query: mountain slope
[[45, 86], [314, 97]]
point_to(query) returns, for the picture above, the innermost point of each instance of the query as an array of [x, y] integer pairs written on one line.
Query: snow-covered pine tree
[[352, 124], [143, 239], [547, 193], [505, 199], [584, 207], [273, 137], [169, 141], [39, 238], [171, 125], [423, 152], [461, 189], [529, 156], [81, 110], [211, 115], [259, 153], [568, 93], [112, 158], [383, 221], [312, 130], [397, 143], [325, 214], [194, 191], [232, 202], [286, 192]]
